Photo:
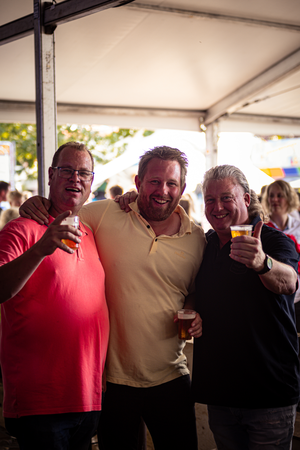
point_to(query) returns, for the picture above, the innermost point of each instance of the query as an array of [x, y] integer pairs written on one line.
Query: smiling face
[[160, 189], [277, 200], [225, 204], [72, 193]]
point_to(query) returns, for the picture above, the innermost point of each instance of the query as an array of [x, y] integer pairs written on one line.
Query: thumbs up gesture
[[248, 249]]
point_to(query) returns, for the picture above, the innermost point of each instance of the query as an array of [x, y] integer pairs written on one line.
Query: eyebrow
[[68, 166], [223, 193], [157, 177]]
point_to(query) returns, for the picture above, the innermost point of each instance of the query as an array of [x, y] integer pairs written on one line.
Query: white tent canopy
[[165, 64], [228, 65]]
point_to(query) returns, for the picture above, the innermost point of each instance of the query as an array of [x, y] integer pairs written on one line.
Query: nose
[[218, 205], [75, 176], [163, 189]]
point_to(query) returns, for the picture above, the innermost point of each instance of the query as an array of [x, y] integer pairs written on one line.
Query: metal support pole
[[45, 96], [211, 145]]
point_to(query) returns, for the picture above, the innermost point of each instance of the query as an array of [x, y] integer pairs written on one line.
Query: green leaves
[[104, 142]]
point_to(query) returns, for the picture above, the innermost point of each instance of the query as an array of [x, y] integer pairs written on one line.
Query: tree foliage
[[24, 136], [105, 143]]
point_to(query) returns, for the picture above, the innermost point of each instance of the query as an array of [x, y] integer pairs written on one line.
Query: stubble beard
[[155, 214]]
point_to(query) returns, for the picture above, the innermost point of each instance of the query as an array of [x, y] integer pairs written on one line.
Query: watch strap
[[267, 266]]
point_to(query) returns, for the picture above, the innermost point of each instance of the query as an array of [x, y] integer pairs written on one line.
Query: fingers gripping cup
[[185, 319], [241, 230], [74, 221]]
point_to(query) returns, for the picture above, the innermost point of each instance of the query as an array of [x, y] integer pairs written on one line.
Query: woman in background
[[279, 200]]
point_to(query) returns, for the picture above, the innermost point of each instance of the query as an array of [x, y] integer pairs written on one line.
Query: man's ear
[[137, 183], [183, 189], [50, 175], [92, 183], [247, 199]]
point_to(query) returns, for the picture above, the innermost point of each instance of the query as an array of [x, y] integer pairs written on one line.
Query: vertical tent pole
[[45, 95]]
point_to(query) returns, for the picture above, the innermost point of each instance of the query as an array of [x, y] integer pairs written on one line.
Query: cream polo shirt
[[147, 280]]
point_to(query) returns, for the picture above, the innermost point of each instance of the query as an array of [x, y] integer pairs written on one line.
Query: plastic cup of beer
[[74, 221], [241, 230], [185, 319]]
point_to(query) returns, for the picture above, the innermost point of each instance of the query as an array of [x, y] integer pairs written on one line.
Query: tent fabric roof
[[165, 64]]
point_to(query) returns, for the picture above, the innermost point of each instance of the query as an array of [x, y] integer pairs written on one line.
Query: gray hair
[[227, 171]]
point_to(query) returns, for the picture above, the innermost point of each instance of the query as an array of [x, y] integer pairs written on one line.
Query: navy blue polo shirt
[[247, 356]]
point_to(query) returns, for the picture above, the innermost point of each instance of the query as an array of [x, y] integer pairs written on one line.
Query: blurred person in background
[[26, 195], [115, 190], [7, 215], [15, 198], [279, 200], [187, 203], [296, 212], [4, 188]]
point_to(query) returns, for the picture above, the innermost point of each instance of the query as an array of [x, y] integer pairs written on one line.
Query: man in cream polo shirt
[[151, 256]]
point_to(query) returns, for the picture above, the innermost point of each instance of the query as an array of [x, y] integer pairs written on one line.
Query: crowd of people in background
[[15, 200]]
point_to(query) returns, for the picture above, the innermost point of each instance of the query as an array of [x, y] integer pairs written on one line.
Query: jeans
[[70, 431], [167, 410], [252, 429]]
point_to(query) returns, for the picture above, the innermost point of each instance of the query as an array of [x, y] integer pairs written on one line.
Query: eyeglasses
[[65, 172]]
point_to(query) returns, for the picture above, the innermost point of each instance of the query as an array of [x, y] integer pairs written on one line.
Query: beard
[[150, 212]]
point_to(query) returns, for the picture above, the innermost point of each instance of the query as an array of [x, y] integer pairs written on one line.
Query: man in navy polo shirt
[[246, 366]]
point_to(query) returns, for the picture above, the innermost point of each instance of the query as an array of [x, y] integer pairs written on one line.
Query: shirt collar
[[186, 223]]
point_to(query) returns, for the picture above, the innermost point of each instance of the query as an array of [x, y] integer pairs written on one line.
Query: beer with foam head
[[74, 221], [241, 230], [185, 319]]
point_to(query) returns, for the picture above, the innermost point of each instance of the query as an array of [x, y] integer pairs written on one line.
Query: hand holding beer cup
[[185, 319], [54, 235], [247, 248], [74, 222]]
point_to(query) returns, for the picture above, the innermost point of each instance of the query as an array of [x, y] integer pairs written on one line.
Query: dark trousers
[[70, 431], [167, 410], [297, 314], [252, 429]]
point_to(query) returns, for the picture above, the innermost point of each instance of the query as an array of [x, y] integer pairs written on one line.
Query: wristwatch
[[268, 264]]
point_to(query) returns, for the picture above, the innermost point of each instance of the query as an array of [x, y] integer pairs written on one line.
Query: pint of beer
[[74, 221], [240, 230], [185, 319]]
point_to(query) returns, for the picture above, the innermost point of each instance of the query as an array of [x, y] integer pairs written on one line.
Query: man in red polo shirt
[[54, 327]]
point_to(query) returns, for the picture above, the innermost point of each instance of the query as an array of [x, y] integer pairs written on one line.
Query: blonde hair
[[7, 215], [15, 196], [288, 192]]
